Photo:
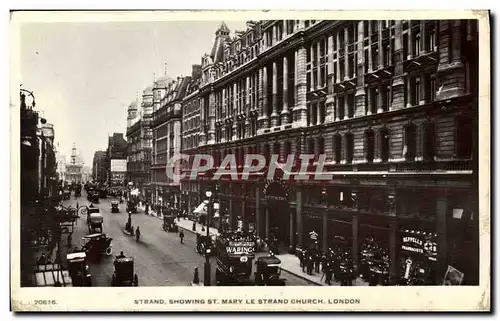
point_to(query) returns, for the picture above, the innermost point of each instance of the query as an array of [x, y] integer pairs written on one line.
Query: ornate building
[[393, 106], [139, 139], [116, 160], [167, 116]]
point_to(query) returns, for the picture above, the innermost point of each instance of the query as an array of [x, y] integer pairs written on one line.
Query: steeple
[[223, 30]]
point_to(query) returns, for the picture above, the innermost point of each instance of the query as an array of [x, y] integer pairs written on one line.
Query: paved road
[[160, 259]]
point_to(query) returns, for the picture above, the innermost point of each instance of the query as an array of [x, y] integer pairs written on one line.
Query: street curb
[[302, 277]]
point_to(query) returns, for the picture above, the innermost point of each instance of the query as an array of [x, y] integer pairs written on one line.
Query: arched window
[[370, 145], [384, 145], [410, 142], [267, 152], [287, 149], [276, 150]]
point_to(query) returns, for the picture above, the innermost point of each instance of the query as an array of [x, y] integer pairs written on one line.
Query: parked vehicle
[[79, 269], [124, 272], [268, 271]]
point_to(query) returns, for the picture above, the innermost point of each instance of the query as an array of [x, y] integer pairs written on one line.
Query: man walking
[[181, 235]]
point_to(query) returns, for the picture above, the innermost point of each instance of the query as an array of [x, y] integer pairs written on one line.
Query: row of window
[[376, 145]]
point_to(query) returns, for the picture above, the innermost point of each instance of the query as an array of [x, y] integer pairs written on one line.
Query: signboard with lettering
[[240, 248], [420, 243], [276, 190]]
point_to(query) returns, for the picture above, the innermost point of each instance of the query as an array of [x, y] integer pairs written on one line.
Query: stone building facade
[[166, 129], [99, 169], [140, 142], [393, 106]]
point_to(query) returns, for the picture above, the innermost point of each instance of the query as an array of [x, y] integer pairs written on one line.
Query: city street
[[160, 259]]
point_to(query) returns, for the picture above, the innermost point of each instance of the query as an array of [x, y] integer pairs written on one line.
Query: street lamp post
[[207, 277]]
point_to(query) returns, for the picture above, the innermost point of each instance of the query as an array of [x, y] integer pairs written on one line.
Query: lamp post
[[207, 277]]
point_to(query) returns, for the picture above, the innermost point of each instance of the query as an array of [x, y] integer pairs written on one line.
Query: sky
[[84, 75]]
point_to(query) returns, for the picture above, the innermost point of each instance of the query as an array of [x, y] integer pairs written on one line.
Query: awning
[[202, 209]]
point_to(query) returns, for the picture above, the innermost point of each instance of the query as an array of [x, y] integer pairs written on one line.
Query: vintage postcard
[[313, 161]]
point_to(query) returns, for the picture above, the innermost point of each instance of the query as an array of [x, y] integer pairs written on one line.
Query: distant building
[[167, 117], [116, 160], [86, 173], [99, 169], [74, 168], [140, 141], [61, 166]]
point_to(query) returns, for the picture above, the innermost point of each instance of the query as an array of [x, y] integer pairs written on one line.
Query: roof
[[148, 90], [133, 105], [92, 235], [269, 260], [222, 28], [162, 81]]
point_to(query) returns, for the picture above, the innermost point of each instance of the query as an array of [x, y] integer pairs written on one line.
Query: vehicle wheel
[[109, 250], [113, 280], [136, 280]]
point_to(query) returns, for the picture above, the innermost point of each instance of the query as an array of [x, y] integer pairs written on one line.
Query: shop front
[[277, 212], [418, 257]]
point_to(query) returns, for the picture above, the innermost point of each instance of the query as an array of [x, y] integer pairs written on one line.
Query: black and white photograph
[[223, 152]]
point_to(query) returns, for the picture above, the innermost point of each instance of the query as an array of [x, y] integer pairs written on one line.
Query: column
[[398, 82], [285, 113], [441, 231], [264, 93], [318, 62], [260, 101], [224, 104], [274, 114], [456, 41], [234, 112], [257, 211], [355, 237], [380, 47], [338, 57], [295, 79], [324, 234], [300, 110], [337, 107], [370, 56], [346, 53], [311, 74], [211, 108], [274, 34], [300, 226], [369, 101], [360, 65], [423, 36], [346, 107], [410, 41], [330, 101], [380, 98], [247, 108], [424, 80], [409, 102]]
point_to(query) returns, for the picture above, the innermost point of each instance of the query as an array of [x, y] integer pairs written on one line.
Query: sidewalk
[[187, 225], [289, 263]]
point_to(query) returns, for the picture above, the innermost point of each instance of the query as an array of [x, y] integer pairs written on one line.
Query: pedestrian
[[328, 273], [181, 235], [196, 278]]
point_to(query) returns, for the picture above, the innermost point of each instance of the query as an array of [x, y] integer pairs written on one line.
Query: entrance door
[[279, 222]]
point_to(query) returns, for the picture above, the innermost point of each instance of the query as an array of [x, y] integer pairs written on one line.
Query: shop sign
[[421, 245], [240, 248], [276, 190]]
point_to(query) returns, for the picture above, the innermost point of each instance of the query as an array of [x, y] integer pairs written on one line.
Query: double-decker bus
[[235, 254]]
